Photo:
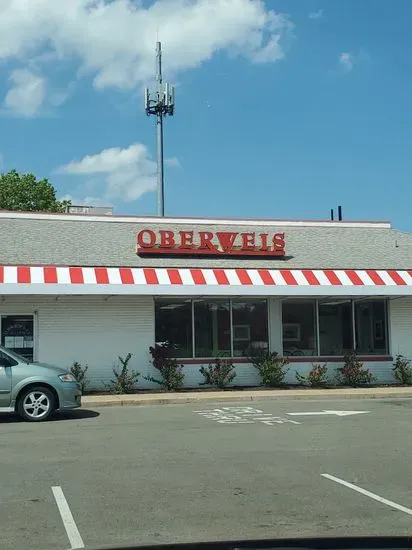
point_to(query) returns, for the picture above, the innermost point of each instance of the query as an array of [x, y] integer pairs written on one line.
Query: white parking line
[[369, 494], [75, 539]]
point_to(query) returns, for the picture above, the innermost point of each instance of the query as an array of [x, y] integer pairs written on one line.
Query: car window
[[16, 356], [6, 359]]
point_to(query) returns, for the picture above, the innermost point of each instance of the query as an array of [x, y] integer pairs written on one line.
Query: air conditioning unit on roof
[[86, 209]]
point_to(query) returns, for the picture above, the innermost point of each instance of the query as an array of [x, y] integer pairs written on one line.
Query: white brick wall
[[91, 330]]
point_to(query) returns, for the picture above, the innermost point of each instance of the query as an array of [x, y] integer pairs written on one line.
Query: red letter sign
[[142, 242]]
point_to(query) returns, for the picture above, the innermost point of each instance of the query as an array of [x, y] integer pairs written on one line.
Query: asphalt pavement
[[207, 471]]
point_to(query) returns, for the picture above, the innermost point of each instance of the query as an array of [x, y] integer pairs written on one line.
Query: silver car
[[35, 390]]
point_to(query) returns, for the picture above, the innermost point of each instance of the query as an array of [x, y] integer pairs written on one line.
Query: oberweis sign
[[208, 243]]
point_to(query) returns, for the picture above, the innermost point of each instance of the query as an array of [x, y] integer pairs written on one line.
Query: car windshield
[[15, 355]]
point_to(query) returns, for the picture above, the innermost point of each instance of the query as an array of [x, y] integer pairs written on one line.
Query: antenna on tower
[[160, 103]]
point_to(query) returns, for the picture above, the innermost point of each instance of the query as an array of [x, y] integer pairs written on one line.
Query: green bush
[[353, 373], [79, 372], [124, 379], [402, 370], [317, 377], [171, 374], [218, 374], [271, 367]]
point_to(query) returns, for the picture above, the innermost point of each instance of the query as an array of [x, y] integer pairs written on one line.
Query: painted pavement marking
[[368, 494], [327, 412], [73, 534], [243, 415]]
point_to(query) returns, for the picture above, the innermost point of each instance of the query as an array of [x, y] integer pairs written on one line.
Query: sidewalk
[[247, 395]]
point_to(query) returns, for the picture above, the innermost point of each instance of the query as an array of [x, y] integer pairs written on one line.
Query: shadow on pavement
[[76, 414]]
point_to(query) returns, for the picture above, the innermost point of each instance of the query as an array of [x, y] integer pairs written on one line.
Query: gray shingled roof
[[84, 242]]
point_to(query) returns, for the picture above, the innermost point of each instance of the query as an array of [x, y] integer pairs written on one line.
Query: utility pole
[[160, 103]]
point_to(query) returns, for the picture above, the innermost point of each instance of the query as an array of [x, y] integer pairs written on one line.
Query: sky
[[284, 108]]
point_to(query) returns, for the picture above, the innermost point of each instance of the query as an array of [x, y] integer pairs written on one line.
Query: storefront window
[[212, 328], [335, 328], [371, 328], [298, 326], [17, 334], [249, 327], [173, 323]]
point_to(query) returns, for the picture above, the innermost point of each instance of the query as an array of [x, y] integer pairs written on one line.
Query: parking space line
[[73, 534], [368, 494]]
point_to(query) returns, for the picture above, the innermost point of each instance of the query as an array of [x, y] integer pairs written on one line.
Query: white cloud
[[173, 162], [347, 61], [113, 41], [316, 14], [124, 175], [26, 94]]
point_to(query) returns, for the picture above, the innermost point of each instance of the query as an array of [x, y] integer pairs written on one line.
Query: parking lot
[[180, 473]]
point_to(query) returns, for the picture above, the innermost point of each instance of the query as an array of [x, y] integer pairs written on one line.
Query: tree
[[25, 192]]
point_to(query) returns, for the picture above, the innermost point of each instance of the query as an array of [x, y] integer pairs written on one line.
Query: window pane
[[17, 334], [370, 321], [335, 328], [212, 328], [250, 326], [299, 334], [173, 326]]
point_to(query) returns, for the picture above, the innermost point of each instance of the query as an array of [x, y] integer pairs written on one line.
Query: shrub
[[316, 378], [79, 372], [218, 374], [353, 373], [271, 367], [171, 374], [402, 370], [125, 379]]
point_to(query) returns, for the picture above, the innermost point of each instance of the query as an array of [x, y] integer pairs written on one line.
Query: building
[[88, 288]]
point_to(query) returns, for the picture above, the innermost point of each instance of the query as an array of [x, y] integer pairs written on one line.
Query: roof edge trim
[[192, 221]]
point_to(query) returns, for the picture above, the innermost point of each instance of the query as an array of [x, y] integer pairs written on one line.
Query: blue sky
[[284, 109]]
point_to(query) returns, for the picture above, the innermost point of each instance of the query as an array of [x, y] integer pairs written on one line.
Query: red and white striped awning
[[184, 281]]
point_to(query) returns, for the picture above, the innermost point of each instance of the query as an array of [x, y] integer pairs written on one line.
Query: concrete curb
[[253, 395]]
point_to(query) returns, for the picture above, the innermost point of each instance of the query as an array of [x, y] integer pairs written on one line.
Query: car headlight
[[67, 377]]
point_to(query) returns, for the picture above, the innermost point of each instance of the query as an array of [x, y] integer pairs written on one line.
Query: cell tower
[[160, 103]]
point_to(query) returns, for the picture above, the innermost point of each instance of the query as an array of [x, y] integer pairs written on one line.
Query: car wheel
[[36, 404]]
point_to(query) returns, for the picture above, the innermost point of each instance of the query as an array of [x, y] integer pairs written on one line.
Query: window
[[221, 327], [371, 329], [298, 326], [173, 322], [335, 328], [6, 360], [212, 328], [17, 334], [339, 324], [250, 326]]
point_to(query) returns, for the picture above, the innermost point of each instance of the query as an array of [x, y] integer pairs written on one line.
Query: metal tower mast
[[160, 103]]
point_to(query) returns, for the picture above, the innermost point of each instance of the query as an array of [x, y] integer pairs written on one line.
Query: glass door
[[17, 334]]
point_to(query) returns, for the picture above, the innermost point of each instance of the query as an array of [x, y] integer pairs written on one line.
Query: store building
[[88, 288]]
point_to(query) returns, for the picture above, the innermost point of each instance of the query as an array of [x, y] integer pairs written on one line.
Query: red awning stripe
[[244, 277], [266, 277], [174, 276], [310, 277], [198, 277], [354, 277], [377, 280], [396, 278], [221, 276]]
